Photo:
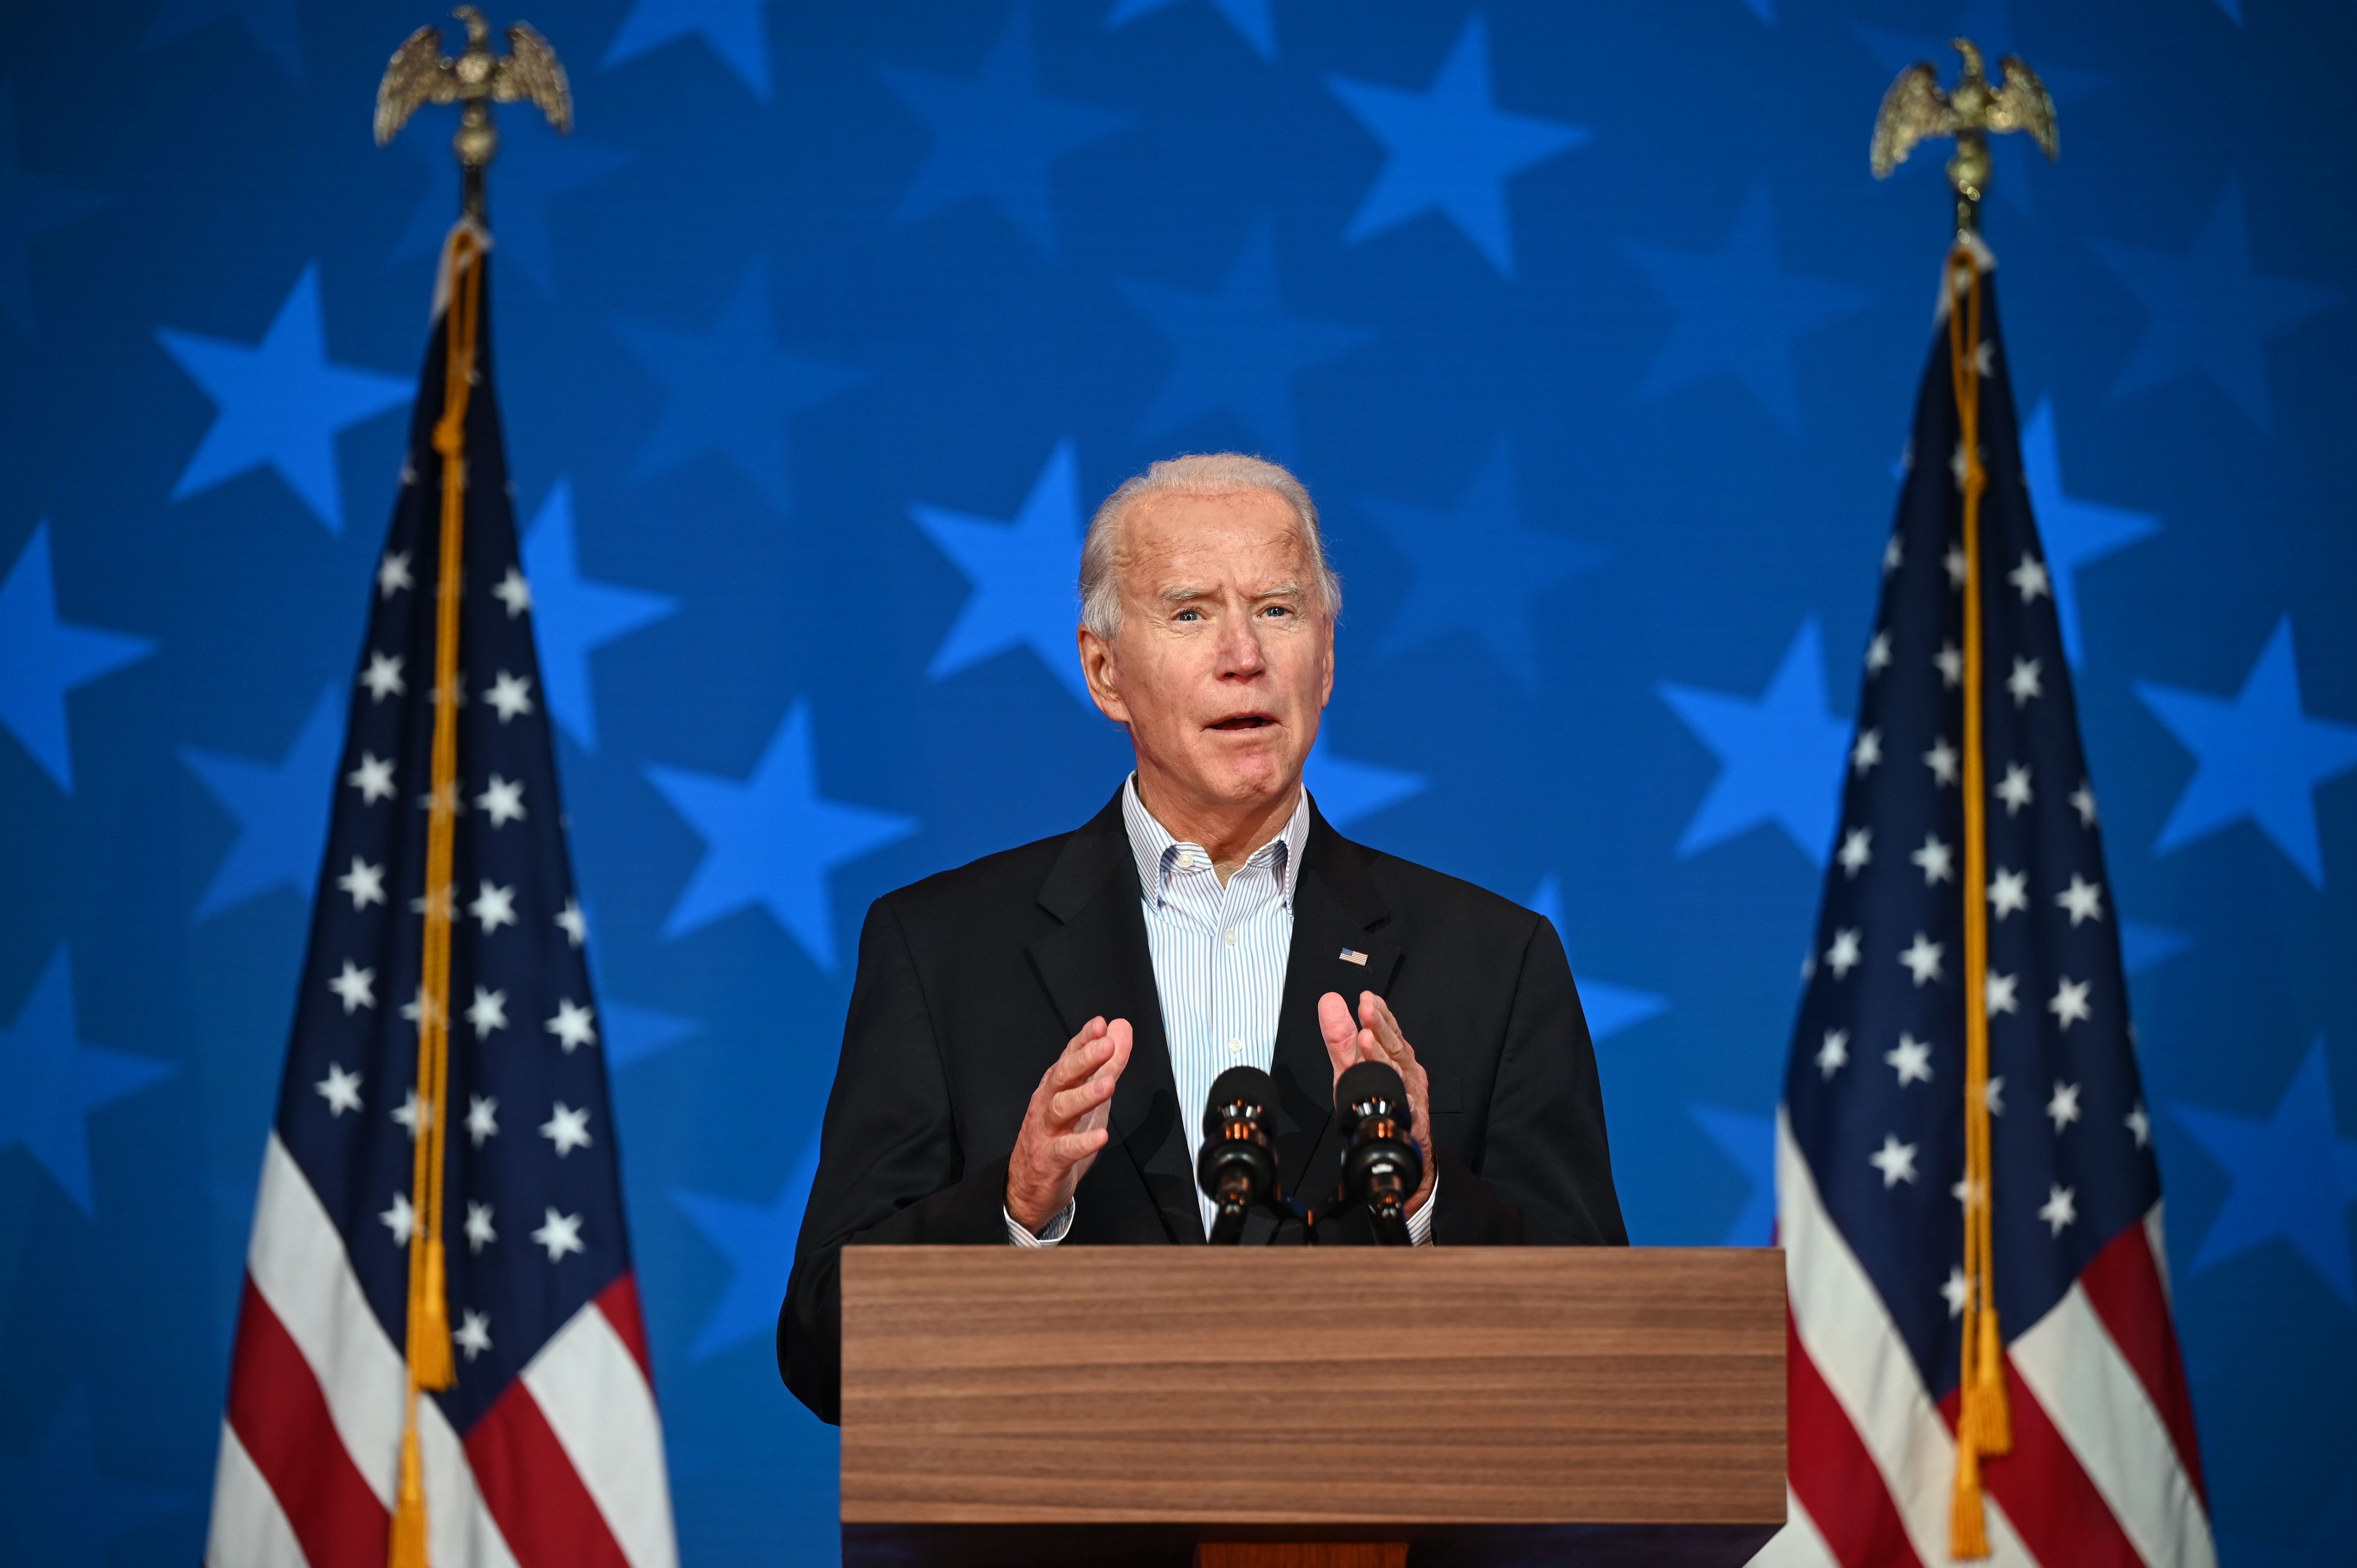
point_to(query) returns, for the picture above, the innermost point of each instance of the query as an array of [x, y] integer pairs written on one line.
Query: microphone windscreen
[[1246, 1083], [1368, 1081]]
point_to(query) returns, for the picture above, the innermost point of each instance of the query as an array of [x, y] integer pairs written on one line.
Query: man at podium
[[1032, 1038]]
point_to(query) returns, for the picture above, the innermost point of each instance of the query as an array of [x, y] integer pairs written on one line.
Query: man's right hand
[[1065, 1126]]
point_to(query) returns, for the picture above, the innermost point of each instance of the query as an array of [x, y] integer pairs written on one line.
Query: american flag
[[547, 1448], [2104, 1467]]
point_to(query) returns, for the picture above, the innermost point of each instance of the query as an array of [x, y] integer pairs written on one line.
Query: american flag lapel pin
[[1352, 955]]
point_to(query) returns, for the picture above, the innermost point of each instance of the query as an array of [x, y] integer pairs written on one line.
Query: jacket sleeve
[[1543, 1173], [891, 1167]]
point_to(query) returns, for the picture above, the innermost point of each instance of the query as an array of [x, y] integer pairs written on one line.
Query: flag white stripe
[[597, 1403], [1798, 1545], [2099, 1405], [249, 1529], [1841, 1320], [2159, 1245]]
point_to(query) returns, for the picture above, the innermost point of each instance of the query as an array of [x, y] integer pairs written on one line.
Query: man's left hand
[[1376, 1037]]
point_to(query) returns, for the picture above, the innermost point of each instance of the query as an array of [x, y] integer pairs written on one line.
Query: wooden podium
[[1311, 1408]]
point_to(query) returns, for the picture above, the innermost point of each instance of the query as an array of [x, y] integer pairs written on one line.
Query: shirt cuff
[[1419, 1224], [1055, 1230]]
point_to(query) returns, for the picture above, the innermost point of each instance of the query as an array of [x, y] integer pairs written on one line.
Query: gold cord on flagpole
[[1984, 1425], [428, 1347]]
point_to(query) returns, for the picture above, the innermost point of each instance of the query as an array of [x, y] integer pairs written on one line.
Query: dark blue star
[[573, 617], [632, 1034], [1253, 19], [59, 1509], [270, 23], [1781, 755], [1346, 790], [1023, 573], [1451, 149], [1236, 351], [29, 208], [1609, 1008], [280, 402], [50, 1081], [281, 809], [2143, 946], [2075, 533], [758, 1240], [1738, 311], [772, 839], [2292, 1177], [2257, 755], [995, 133], [732, 390], [43, 658], [734, 29], [1478, 569], [536, 166], [1748, 1143], [2210, 312]]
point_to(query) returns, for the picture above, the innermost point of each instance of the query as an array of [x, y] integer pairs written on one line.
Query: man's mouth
[[1244, 721]]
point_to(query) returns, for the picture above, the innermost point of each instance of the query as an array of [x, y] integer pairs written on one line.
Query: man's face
[[1225, 655]]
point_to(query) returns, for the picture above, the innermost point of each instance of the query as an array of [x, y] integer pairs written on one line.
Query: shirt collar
[[1158, 852]]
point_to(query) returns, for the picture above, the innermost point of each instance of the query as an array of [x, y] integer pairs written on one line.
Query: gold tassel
[[1995, 1436], [409, 1509], [1967, 1519], [430, 1355]]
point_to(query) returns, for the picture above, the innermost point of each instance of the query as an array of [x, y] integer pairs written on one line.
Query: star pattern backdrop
[[819, 340]]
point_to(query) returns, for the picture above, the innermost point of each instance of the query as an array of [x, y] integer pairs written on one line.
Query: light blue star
[[281, 809], [2075, 533], [1252, 18], [1451, 149], [732, 390], [2210, 312], [771, 840], [734, 29], [2255, 755], [50, 1081], [1738, 311], [1023, 573], [536, 166], [2292, 1177], [2143, 946], [1748, 1143], [43, 658], [758, 1240], [630, 1034], [270, 23], [573, 617], [31, 207], [1347, 790], [1780, 756], [1478, 569], [1237, 351], [995, 135], [280, 402], [59, 1509], [1609, 1008]]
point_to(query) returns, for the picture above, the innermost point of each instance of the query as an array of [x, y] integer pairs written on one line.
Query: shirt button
[[1235, 1047], [1232, 939]]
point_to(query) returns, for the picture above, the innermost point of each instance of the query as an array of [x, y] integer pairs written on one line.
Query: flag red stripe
[[547, 1515], [1832, 1473], [619, 1302], [279, 1413], [2122, 1285], [2044, 1490]]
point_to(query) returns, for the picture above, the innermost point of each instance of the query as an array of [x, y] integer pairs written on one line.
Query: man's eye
[[1191, 615], [1279, 611]]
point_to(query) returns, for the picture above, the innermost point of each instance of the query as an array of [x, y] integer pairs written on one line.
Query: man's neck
[[1228, 832]]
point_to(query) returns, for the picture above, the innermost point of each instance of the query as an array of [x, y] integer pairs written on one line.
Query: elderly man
[[1032, 1038]]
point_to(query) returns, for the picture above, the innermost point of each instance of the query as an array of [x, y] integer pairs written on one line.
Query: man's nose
[[1241, 655]]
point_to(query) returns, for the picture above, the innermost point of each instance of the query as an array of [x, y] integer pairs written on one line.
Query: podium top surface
[[1322, 1387]]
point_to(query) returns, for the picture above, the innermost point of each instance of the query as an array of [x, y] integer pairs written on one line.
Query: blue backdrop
[[818, 341]]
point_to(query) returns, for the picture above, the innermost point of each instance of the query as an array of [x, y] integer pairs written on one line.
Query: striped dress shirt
[[1219, 953]]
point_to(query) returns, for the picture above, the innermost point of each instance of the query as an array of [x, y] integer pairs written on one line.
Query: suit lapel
[[1097, 964]]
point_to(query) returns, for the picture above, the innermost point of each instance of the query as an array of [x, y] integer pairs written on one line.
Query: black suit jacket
[[970, 983]]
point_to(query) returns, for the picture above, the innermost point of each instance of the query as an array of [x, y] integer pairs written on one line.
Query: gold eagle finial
[[419, 72], [1915, 109]]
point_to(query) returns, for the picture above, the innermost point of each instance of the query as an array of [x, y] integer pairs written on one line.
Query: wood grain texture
[[1114, 1385], [1301, 1554]]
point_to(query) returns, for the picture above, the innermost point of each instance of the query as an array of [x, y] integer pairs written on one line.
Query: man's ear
[[1098, 669]]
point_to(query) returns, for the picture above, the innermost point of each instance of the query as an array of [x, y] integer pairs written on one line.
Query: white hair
[[1196, 473]]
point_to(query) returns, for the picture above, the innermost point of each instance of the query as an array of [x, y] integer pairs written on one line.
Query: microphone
[[1237, 1167], [1382, 1167]]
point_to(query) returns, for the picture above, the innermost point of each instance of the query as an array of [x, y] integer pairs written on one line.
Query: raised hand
[[1065, 1126], [1374, 1036]]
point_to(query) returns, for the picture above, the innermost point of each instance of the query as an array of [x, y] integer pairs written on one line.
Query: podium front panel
[[1336, 1386]]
